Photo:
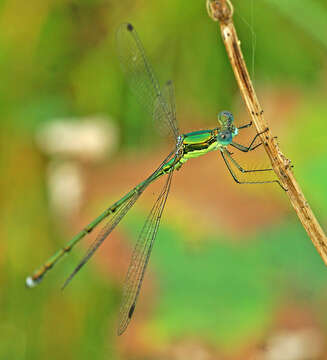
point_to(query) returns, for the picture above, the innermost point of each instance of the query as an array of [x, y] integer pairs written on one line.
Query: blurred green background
[[233, 274]]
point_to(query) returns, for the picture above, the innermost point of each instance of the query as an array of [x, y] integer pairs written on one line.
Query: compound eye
[[225, 138], [225, 118]]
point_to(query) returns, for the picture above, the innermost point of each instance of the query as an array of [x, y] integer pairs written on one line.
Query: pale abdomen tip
[[30, 282]]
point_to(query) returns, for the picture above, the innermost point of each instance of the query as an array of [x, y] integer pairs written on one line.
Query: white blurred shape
[[65, 187], [67, 141], [305, 344], [90, 138]]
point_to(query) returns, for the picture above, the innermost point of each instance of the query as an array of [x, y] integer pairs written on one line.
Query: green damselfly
[[161, 106]]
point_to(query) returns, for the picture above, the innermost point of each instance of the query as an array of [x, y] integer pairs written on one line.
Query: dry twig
[[222, 11]]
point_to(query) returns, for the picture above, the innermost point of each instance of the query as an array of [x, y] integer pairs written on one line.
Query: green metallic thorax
[[194, 144], [199, 143], [198, 137]]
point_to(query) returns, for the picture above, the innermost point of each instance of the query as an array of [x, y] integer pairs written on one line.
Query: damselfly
[[161, 106]]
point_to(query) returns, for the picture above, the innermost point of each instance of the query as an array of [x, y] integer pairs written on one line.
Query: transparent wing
[[140, 258], [142, 80], [159, 116], [169, 93]]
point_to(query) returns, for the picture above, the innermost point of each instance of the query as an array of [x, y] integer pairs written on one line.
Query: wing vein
[[142, 79], [140, 257]]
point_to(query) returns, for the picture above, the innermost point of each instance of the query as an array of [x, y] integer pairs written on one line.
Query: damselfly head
[[226, 130], [225, 119]]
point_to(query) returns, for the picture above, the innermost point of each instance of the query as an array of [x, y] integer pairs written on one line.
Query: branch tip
[[220, 10]]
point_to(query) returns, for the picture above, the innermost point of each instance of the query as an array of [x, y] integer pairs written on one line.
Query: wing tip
[[121, 329], [123, 325]]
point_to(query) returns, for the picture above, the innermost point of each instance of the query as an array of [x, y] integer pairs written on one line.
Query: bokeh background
[[233, 274]]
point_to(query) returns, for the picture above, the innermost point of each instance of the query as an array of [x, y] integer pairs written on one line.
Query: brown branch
[[222, 11]]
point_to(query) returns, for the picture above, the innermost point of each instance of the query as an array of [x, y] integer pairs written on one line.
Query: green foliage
[[228, 293], [313, 19]]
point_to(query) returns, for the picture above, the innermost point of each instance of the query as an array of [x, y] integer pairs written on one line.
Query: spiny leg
[[240, 167], [247, 182], [245, 126], [250, 123], [250, 147]]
